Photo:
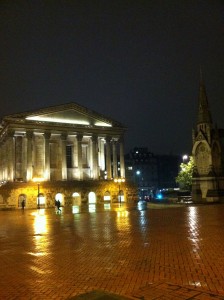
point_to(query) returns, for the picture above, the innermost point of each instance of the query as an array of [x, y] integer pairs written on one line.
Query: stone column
[[75, 159], [11, 155], [47, 170], [24, 159], [29, 174], [18, 157], [79, 140], [122, 165], [4, 161], [115, 173], [63, 156], [94, 157], [108, 158]]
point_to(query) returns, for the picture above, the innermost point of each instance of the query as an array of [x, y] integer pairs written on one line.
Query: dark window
[[69, 156]]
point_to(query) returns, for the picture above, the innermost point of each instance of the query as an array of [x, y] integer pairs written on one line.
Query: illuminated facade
[[208, 150], [63, 143], [66, 142]]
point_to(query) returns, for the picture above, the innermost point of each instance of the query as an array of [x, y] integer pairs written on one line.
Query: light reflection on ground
[[118, 248]]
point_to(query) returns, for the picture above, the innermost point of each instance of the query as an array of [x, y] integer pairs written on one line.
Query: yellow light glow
[[92, 198], [123, 220], [123, 213], [36, 254], [58, 120], [40, 228], [46, 175], [75, 209], [41, 200], [107, 206], [40, 222], [75, 194], [119, 180], [35, 179], [102, 124], [92, 208]]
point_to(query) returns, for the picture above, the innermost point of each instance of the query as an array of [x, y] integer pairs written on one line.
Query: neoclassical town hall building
[[67, 152]]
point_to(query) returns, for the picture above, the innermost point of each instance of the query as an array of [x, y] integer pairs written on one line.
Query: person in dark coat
[[23, 204], [58, 204]]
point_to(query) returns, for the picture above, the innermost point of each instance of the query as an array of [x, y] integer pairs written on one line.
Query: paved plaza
[[130, 251]]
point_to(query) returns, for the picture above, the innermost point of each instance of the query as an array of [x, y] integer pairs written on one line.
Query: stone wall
[[12, 194]]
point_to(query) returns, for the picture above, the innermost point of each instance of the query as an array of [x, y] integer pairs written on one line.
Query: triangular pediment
[[68, 117], [71, 113]]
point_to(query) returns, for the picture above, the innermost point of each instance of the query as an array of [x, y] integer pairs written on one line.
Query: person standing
[[23, 204]]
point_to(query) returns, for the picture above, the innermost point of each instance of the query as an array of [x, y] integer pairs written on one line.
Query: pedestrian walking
[[58, 204]]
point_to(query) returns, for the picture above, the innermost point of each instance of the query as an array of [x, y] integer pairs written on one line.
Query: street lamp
[[119, 181], [38, 180], [138, 173], [185, 158], [38, 195]]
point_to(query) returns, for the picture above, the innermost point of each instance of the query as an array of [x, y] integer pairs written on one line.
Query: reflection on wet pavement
[[119, 248]]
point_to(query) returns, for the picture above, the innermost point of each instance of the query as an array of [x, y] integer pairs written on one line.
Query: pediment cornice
[[71, 114]]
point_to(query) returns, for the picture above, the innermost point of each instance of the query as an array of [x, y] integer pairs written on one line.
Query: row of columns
[[34, 151]]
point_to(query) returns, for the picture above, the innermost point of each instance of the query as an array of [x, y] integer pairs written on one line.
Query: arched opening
[[107, 197], [76, 199], [92, 198], [21, 200], [40, 200]]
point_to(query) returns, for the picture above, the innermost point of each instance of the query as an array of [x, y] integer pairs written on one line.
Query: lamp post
[[119, 181], [38, 195], [138, 173], [38, 180]]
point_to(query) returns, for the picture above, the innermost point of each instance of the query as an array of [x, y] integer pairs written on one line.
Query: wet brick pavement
[[103, 252]]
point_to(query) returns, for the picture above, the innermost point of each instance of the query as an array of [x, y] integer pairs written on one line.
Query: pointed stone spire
[[204, 114]]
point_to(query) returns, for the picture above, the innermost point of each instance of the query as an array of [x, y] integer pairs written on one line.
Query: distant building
[[151, 172], [168, 168], [207, 151], [58, 145]]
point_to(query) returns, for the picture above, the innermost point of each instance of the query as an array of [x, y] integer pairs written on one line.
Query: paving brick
[[149, 254]]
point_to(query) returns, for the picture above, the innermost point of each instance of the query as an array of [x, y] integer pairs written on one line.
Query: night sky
[[137, 62]]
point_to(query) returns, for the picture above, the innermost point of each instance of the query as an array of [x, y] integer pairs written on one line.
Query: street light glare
[[119, 180], [185, 157]]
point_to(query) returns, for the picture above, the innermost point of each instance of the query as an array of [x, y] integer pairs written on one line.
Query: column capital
[[79, 137], [108, 139], [94, 138], [64, 136], [29, 134], [47, 135]]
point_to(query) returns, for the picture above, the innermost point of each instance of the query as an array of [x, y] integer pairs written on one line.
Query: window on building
[[69, 156]]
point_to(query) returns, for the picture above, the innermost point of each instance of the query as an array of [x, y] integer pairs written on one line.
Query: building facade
[[151, 172], [60, 144], [207, 152]]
